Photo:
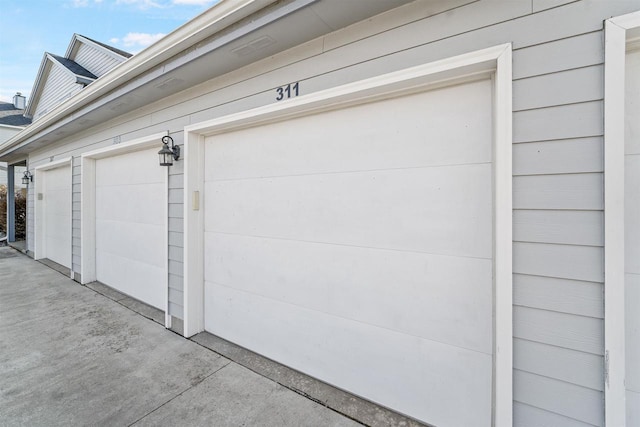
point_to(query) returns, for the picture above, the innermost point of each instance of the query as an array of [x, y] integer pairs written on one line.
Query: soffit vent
[[253, 46], [169, 83]]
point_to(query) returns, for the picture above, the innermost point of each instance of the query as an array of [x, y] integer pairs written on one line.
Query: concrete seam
[[180, 394], [295, 390]]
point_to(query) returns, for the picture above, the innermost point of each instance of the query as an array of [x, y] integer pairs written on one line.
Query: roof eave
[[219, 17]]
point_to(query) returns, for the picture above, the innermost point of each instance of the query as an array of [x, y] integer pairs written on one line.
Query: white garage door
[[56, 215], [632, 236], [130, 225], [356, 246]]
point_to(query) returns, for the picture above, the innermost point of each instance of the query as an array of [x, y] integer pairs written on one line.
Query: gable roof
[[68, 64], [79, 37], [106, 46], [12, 116]]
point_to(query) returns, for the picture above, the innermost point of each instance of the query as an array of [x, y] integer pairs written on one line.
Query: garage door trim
[[495, 60], [88, 205], [620, 33], [38, 250]]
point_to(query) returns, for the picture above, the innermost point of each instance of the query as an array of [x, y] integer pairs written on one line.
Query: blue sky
[[28, 28]]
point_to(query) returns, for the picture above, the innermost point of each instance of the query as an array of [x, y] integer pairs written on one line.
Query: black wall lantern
[[168, 155], [27, 178]]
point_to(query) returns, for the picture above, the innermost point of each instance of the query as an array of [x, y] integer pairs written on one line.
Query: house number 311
[[288, 91]]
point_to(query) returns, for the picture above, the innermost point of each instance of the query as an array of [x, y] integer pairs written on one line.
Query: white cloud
[[194, 2], [141, 4], [138, 39], [83, 3]]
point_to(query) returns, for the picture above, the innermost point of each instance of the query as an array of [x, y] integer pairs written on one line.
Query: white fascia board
[[54, 164], [12, 127], [72, 45], [219, 17], [619, 31], [127, 147], [37, 88], [79, 39]]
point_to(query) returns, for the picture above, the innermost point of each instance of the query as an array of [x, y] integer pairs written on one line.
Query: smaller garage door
[[130, 225], [55, 215]]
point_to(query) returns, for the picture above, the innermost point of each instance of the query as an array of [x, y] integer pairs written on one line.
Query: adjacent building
[[430, 204]]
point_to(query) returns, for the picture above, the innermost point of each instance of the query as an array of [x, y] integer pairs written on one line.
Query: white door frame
[[39, 251], [619, 31], [496, 60], [88, 208]]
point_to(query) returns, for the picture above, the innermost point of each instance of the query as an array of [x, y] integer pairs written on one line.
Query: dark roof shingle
[[12, 116], [74, 67]]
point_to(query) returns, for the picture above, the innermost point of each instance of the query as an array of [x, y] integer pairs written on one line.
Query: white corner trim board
[[494, 62], [39, 219], [618, 32], [88, 210]]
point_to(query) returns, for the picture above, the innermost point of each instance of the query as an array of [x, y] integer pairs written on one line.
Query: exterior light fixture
[[27, 178], [168, 154]]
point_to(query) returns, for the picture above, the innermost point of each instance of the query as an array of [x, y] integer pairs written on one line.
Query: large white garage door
[[130, 225], [56, 215], [356, 246], [632, 236]]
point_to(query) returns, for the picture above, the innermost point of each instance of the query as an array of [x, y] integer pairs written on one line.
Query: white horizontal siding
[[94, 60], [558, 226], [580, 333], [539, 5], [579, 403], [562, 295], [575, 367], [560, 261], [558, 156], [58, 87], [560, 88], [582, 191], [559, 122], [529, 416], [569, 53]]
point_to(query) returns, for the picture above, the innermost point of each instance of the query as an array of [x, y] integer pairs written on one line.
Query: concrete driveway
[[71, 356]]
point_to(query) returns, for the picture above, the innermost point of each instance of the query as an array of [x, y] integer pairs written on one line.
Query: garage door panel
[[131, 225], [401, 291], [132, 277], [632, 213], [58, 179], [632, 105], [136, 203], [632, 299], [54, 230], [356, 245], [366, 360], [58, 201], [145, 241], [445, 210], [388, 136], [129, 168], [56, 214]]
